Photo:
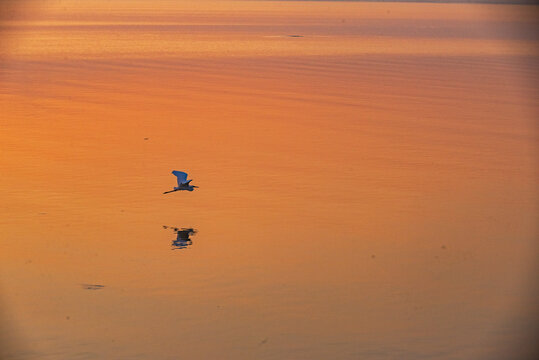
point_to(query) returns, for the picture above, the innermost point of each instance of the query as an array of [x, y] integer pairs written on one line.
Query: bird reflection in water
[[183, 239]]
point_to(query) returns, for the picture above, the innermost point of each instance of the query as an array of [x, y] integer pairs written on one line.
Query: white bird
[[183, 183]]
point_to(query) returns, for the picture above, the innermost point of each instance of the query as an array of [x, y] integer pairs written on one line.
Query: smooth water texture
[[367, 180]]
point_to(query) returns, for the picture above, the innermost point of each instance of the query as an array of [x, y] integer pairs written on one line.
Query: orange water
[[368, 190]]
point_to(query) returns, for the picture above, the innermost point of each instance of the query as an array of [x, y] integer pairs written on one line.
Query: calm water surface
[[367, 190]]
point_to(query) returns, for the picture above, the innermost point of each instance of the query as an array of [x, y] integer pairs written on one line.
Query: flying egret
[[183, 183]]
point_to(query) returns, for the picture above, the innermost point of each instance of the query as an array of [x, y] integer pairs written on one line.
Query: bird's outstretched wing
[[182, 177]]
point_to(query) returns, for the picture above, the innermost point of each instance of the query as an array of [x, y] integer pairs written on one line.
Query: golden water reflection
[[368, 190]]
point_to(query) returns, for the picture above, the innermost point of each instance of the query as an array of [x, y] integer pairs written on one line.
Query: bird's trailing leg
[[166, 192]]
